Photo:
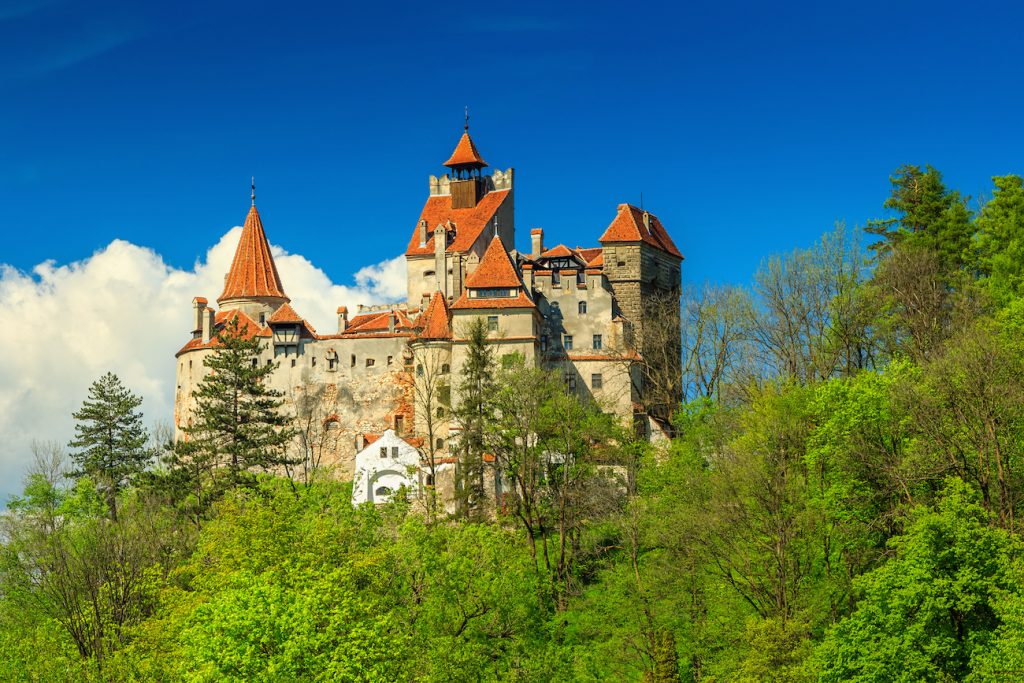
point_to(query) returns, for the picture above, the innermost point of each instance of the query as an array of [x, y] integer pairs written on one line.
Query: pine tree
[[473, 413], [110, 438], [238, 425]]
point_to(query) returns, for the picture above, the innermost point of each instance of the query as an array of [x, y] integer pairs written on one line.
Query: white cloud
[[124, 310]]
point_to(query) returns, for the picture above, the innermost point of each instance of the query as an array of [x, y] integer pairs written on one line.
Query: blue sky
[[749, 128]]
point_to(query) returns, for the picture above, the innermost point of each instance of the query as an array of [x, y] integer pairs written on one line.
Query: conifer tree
[[110, 438], [238, 424], [473, 413]]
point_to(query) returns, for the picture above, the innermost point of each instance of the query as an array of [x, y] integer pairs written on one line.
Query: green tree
[[929, 216], [473, 413], [110, 438], [999, 240], [927, 611], [238, 426]]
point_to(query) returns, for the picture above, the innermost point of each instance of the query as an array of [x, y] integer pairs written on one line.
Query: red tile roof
[[285, 314], [253, 273], [495, 268], [465, 154], [468, 223], [628, 226], [377, 324], [560, 250], [589, 255], [436, 320], [520, 301], [249, 327]]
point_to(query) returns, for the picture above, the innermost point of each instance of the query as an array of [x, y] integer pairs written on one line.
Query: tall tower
[[642, 265]]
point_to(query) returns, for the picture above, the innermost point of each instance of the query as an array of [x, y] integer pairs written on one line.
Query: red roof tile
[[465, 154], [560, 250], [253, 273], [468, 223], [495, 268], [628, 226], [285, 314], [249, 327], [435, 321], [520, 301]]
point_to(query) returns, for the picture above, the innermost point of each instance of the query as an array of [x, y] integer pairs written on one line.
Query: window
[[370, 362], [491, 293], [313, 361], [391, 359], [439, 444], [399, 424], [353, 360], [419, 369], [293, 362], [255, 362], [440, 411], [597, 341], [382, 492], [430, 480], [190, 365], [445, 368], [556, 280], [492, 323], [621, 264], [428, 273], [332, 364], [383, 451], [544, 342], [269, 361], [567, 342], [570, 381], [394, 451], [583, 307], [263, 318], [596, 381]]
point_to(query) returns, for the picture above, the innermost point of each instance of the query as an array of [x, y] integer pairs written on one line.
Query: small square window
[[567, 342], [597, 341], [370, 362], [492, 323], [394, 451], [269, 361], [596, 381]]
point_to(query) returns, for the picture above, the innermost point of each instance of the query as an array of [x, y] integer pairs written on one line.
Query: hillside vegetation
[[842, 502]]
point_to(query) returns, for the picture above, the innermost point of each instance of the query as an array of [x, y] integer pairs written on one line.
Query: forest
[[839, 501]]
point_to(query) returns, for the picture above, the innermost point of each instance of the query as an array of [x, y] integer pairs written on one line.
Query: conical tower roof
[[435, 322], [466, 154], [495, 268], [253, 273]]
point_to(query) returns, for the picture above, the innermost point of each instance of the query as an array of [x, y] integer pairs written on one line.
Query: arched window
[[383, 491], [583, 307]]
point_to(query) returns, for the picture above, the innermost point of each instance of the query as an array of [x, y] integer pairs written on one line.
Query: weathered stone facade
[[581, 311]]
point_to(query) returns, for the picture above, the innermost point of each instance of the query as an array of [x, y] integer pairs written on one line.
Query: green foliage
[[927, 611], [110, 438], [238, 427]]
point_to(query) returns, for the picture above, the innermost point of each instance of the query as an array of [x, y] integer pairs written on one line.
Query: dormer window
[[494, 293]]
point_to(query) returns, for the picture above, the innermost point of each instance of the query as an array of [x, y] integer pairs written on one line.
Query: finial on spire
[[253, 186], [467, 118]]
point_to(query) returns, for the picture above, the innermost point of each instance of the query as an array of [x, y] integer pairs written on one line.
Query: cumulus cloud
[[125, 310]]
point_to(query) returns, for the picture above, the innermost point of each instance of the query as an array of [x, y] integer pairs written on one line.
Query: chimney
[[647, 222], [528, 276], [342, 319], [360, 442], [198, 306], [207, 324], [536, 242], [392, 318], [423, 232]]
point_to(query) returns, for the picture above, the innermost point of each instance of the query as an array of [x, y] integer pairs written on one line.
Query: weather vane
[[467, 118], [253, 190]]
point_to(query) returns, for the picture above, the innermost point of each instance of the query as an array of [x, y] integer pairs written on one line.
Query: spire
[[253, 274], [465, 157]]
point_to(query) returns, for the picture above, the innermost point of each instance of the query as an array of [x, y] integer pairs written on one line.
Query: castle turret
[[253, 285]]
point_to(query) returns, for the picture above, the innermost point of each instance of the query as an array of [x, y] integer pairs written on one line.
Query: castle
[[585, 312]]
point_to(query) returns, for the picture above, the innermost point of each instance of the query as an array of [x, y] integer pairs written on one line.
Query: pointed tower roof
[[466, 155], [495, 268], [435, 320], [636, 225], [253, 273]]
